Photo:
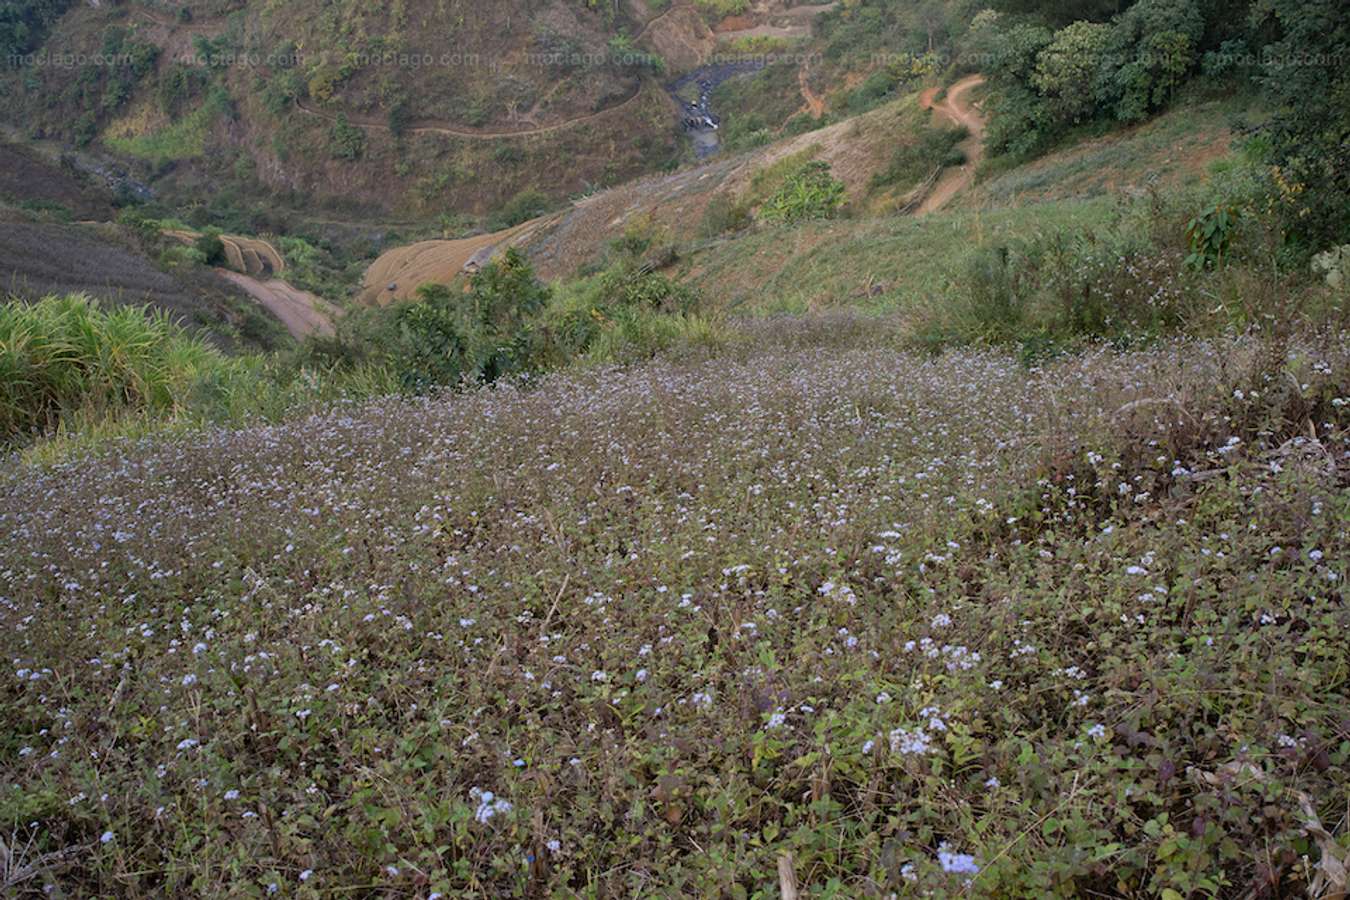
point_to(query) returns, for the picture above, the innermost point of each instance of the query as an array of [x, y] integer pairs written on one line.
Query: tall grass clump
[[67, 355], [75, 374]]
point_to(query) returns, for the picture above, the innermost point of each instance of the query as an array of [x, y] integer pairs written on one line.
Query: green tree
[[1014, 52], [428, 347], [24, 23], [1153, 46], [1063, 12], [211, 248], [505, 298], [1307, 76], [1067, 67], [345, 140]]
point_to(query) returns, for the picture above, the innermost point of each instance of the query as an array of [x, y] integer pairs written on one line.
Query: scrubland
[[943, 624]]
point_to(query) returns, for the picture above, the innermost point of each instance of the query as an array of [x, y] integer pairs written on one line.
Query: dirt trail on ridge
[[956, 110], [255, 266], [815, 104], [300, 311], [432, 126]]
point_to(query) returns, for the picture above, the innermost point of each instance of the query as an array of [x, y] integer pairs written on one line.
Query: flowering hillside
[[897, 623]]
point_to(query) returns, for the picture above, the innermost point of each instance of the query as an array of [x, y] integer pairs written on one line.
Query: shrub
[[345, 140], [722, 215], [527, 204], [24, 24], [1210, 237], [914, 160], [722, 8], [634, 335], [443, 338], [400, 117], [1306, 139], [809, 193], [646, 290], [211, 248]]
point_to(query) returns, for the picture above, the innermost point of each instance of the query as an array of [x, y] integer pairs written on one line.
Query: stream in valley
[[693, 95]]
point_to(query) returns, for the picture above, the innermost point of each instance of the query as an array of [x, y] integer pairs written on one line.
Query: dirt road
[[815, 105], [301, 312], [956, 109], [432, 126]]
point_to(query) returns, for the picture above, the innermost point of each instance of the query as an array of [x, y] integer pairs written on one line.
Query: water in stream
[[697, 117]]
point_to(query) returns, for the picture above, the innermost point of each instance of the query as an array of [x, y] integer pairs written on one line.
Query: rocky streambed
[[693, 95]]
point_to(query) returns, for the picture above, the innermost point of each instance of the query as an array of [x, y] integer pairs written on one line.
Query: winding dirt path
[[655, 20], [254, 267], [205, 26], [433, 126], [300, 311], [815, 104], [956, 110]]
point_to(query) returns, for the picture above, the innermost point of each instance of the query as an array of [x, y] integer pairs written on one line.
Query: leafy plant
[[811, 192], [211, 248], [1210, 237], [345, 140]]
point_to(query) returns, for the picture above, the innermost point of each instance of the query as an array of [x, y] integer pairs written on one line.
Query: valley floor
[[890, 622]]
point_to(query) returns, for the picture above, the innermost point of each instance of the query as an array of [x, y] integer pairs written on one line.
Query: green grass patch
[[182, 139], [884, 264]]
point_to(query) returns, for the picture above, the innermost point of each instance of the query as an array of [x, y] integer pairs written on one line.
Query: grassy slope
[[1175, 147], [38, 258], [854, 606], [1079, 623], [888, 263], [879, 264]]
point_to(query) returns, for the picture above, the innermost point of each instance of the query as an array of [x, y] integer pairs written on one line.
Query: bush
[[23, 24], [211, 248], [809, 193], [724, 214], [913, 161], [527, 204], [345, 140], [400, 117], [443, 338]]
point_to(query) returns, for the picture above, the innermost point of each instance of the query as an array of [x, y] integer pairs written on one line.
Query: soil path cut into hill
[[254, 267], [433, 126], [300, 311], [815, 105], [656, 20], [956, 109]]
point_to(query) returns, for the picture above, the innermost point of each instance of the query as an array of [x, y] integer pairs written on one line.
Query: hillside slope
[[428, 105], [862, 257], [657, 632]]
